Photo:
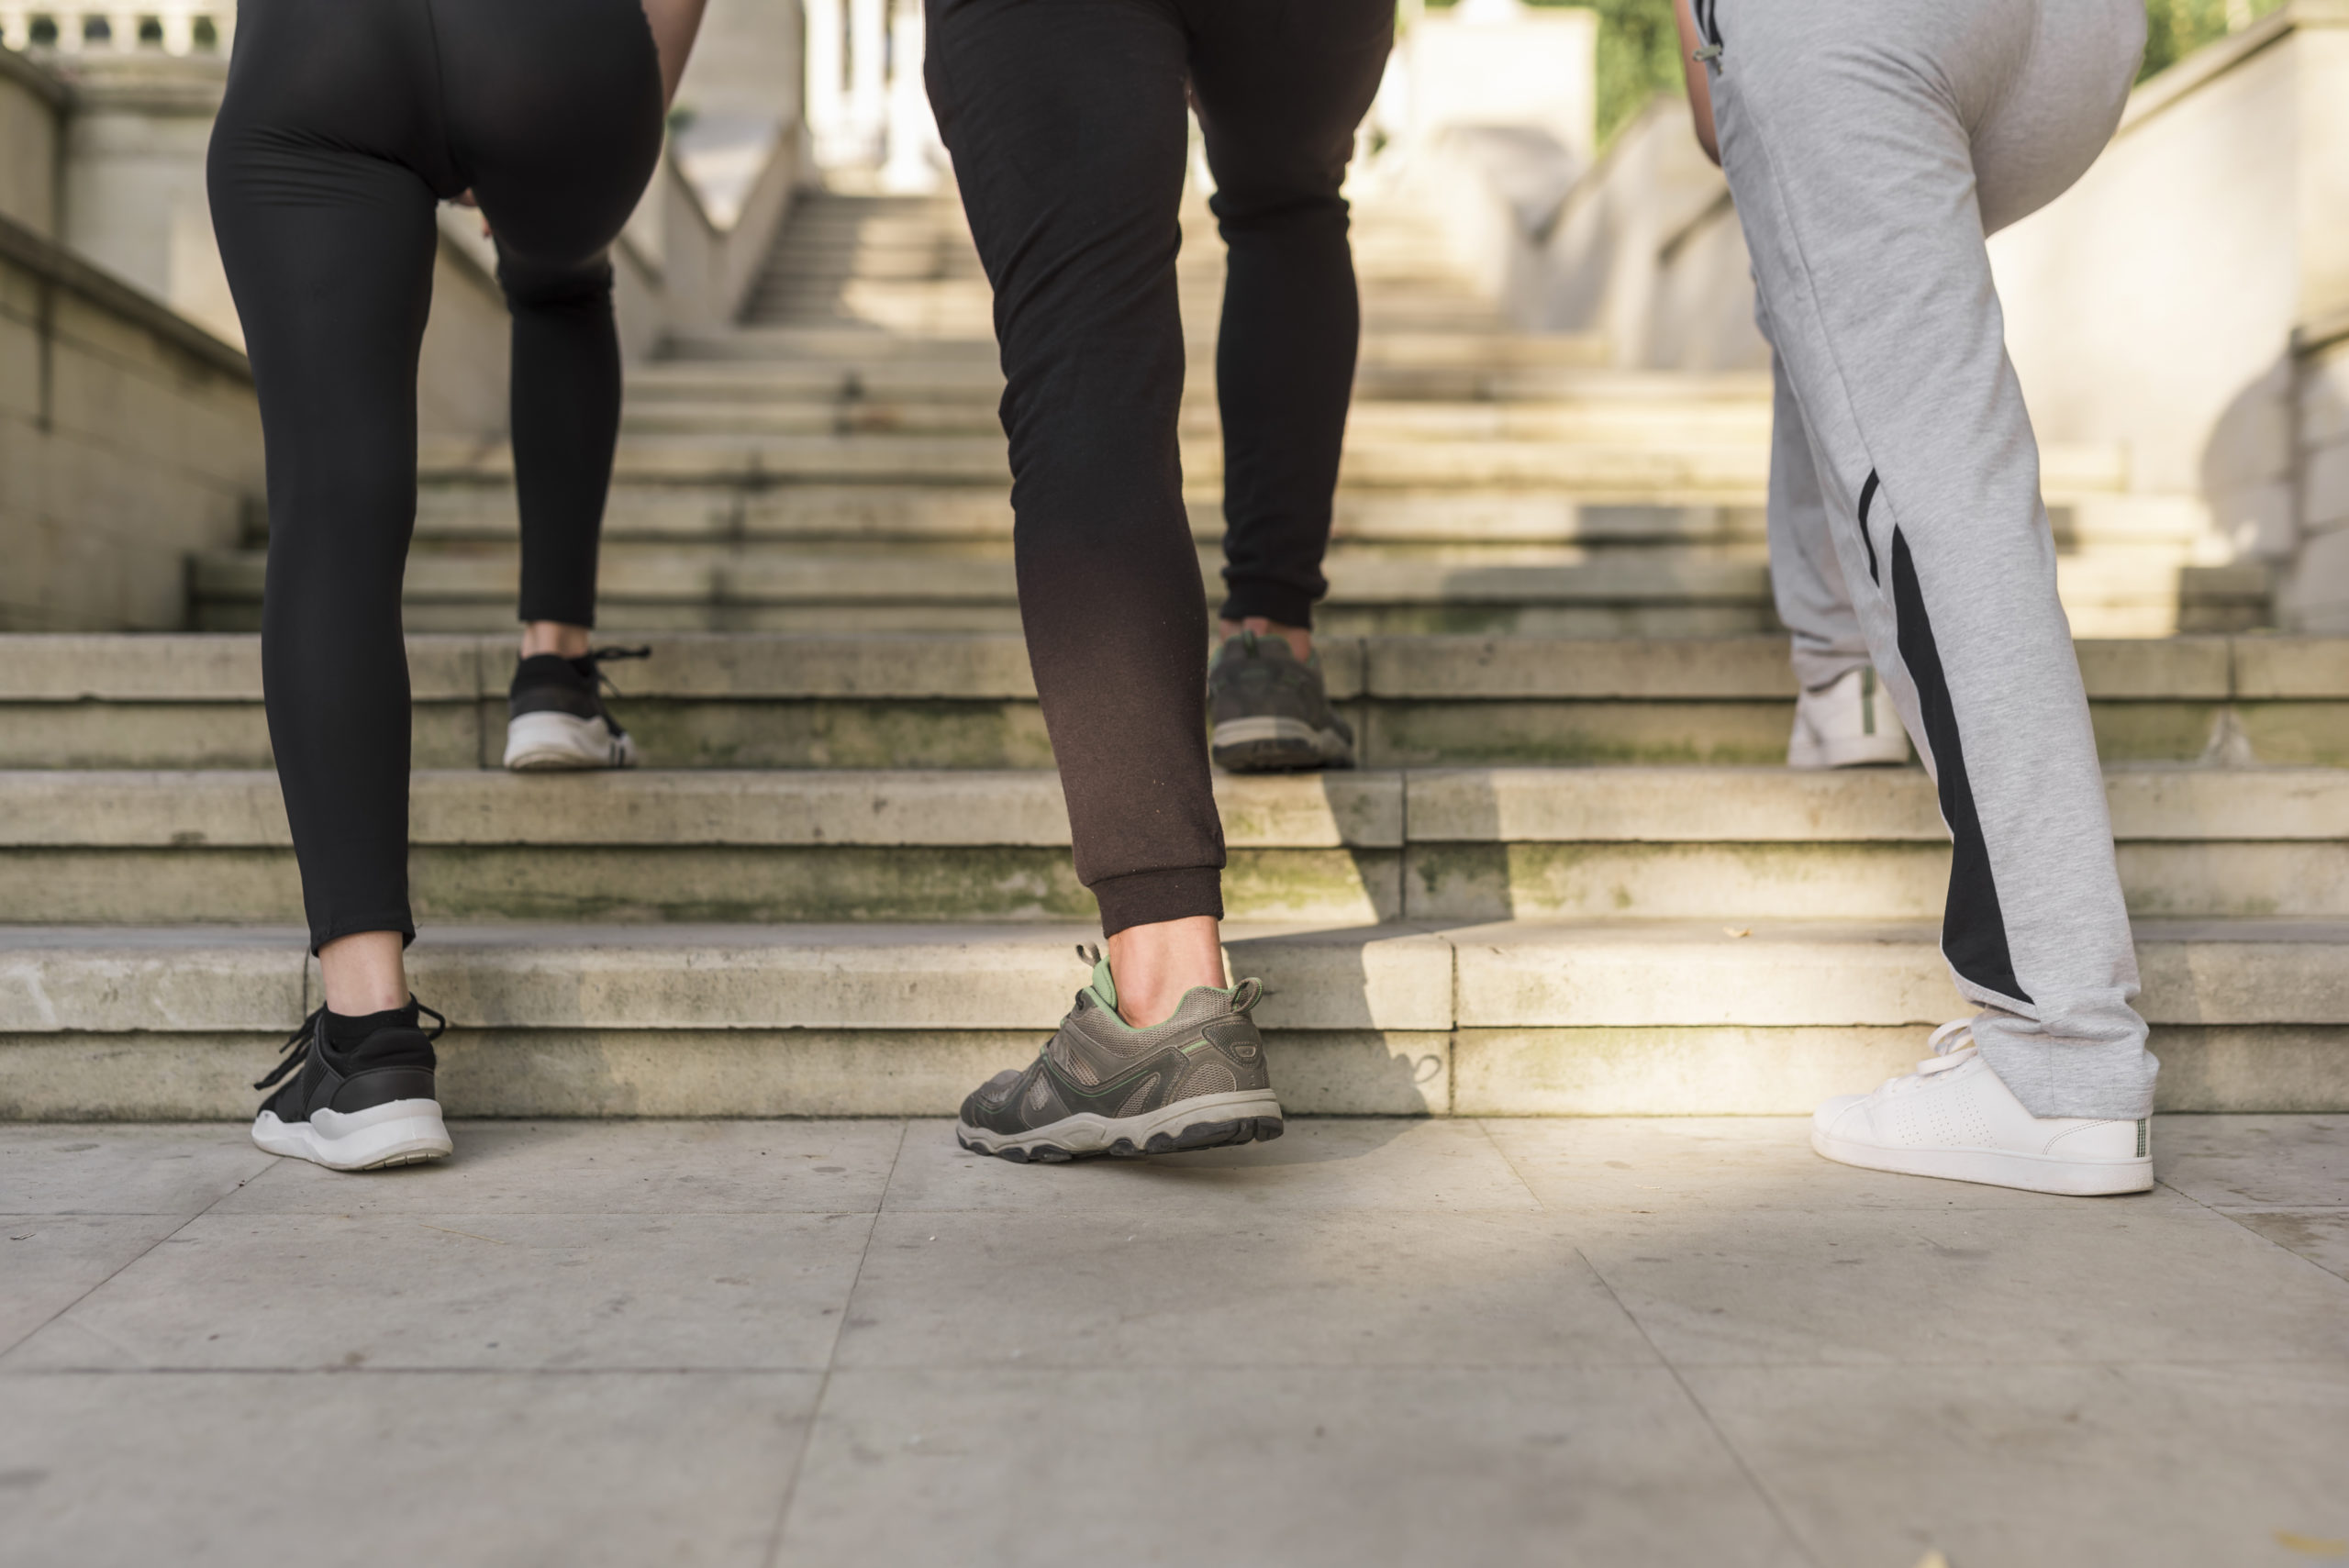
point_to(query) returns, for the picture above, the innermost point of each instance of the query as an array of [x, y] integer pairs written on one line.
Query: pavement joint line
[[2233, 1214], [173, 1234], [1736, 1455], [832, 1355]]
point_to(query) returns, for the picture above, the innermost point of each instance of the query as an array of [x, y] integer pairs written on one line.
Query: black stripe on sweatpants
[[1868, 499], [1974, 930]]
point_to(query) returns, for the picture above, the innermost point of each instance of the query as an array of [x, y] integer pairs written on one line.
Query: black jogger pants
[[1066, 123], [345, 122]]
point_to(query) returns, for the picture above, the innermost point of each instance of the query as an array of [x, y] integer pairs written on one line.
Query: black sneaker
[[360, 1108], [555, 716], [1102, 1087], [1271, 713]]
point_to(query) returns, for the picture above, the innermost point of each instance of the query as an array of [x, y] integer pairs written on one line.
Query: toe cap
[[1825, 1119]]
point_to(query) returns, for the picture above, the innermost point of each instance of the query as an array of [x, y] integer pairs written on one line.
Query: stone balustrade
[[174, 26], [865, 106]]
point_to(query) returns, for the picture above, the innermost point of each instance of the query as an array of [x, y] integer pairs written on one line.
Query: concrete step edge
[[957, 808], [225, 667], [1516, 976]]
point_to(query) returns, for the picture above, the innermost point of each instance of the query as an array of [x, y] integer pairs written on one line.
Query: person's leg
[[558, 110], [1066, 125], [1843, 717], [1280, 90], [329, 253], [565, 415], [329, 249], [1845, 130], [1806, 579], [1065, 120]]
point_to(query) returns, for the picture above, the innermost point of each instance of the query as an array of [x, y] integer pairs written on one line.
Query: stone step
[[1595, 1018], [1667, 468], [748, 700], [910, 518], [1450, 844], [964, 383], [1595, 421], [1561, 592], [1484, 351]]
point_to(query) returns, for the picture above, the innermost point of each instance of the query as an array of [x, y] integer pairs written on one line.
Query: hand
[[466, 198]]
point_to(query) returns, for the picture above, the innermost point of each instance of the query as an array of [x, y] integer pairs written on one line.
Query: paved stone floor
[[1604, 1343]]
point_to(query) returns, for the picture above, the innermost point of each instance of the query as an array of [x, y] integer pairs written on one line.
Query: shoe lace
[[1952, 1047], [296, 1049], [599, 656]]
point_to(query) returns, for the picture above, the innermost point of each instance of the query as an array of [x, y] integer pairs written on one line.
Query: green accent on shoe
[[1102, 1087]]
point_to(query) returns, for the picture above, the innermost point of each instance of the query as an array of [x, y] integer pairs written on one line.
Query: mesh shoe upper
[[389, 1065], [1095, 1062], [548, 683], [1257, 677]]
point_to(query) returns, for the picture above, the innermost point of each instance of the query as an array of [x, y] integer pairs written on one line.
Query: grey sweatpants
[[1871, 145]]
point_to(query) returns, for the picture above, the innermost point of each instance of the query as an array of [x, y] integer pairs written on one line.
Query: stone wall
[[31, 102], [128, 437], [2317, 596]]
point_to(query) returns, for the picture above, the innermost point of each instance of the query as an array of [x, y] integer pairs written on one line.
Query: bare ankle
[[1299, 638], [554, 637], [1155, 966], [363, 974]]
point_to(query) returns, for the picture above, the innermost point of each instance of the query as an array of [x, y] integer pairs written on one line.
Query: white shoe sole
[[1995, 1167], [1282, 738], [553, 742], [1078, 1136], [397, 1132], [1809, 752]]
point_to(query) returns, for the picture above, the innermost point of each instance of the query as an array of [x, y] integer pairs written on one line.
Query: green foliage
[[1639, 56], [2176, 28]]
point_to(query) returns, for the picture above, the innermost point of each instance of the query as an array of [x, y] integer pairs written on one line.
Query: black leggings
[[1066, 119], [345, 122]]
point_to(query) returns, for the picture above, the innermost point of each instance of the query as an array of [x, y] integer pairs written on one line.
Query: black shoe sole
[[1198, 1135]]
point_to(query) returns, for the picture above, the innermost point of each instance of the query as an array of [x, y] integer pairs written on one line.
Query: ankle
[[1299, 638], [554, 637], [363, 974], [1155, 966]]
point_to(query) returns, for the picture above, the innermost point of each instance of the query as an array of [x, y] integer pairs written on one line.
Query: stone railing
[[866, 108], [174, 26]]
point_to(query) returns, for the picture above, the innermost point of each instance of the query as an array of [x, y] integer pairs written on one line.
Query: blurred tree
[[2176, 28]]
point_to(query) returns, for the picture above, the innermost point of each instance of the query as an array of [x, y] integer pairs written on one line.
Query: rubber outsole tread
[[1198, 1135], [1275, 757], [423, 1158]]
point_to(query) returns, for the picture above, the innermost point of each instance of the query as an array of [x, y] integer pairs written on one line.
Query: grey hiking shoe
[[1271, 713], [1102, 1087]]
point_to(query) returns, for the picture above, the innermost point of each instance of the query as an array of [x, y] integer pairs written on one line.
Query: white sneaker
[[1953, 1117], [1849, 723]]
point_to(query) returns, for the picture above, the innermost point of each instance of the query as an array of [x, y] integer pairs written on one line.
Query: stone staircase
[[1572, 875]]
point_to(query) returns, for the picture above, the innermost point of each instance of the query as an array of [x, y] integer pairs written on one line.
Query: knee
[[543, 287], [1303, 208]]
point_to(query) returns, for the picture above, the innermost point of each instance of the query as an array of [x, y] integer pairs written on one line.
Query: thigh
[[1066, 121], [1281, 85], [554, 115]]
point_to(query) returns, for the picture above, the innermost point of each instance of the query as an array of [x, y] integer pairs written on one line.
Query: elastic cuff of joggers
[[561, 614], [1283, 603], [351, 926], [1147, 897]]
